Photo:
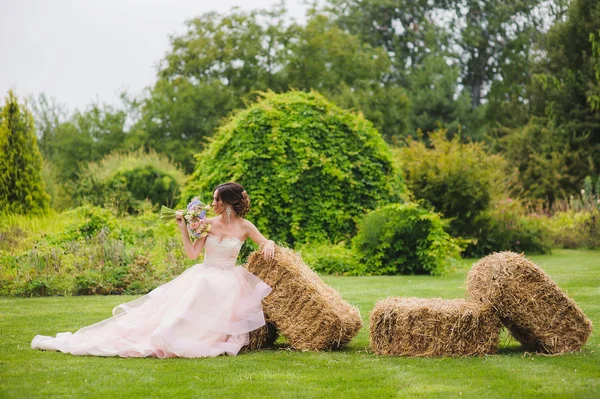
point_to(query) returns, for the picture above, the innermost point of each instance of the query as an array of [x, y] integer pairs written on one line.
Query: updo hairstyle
[[234, 194]]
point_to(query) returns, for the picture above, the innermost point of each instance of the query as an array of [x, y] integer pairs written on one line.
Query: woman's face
[[217, 204]]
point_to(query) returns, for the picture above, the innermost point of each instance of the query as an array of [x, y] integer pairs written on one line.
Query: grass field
[[353, 372]]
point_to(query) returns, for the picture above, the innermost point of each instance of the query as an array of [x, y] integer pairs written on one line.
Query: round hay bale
[[308, 312], [263, 337], [535, 310], [433, 327]]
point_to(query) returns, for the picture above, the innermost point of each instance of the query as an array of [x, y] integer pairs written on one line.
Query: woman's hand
[[179, 218], [268, 250]]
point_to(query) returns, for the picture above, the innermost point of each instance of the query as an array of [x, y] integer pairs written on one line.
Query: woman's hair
[[233, 194]]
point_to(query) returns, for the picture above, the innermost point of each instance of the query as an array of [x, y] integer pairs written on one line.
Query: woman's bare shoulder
[[248, 224]]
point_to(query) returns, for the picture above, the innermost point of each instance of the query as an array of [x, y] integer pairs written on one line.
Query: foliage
[[223, 60], [60, 191], [67, 141], [575, 222], [562, 92], [21, 183], [123, 180], [208, 73], [572, 229], [506, 226], [496, 43], [311, 168], [404, 239], [327, 258], [406, 29], [348, 72], [491, 45], [458, 180], [434, 102], [551, 159], [88, 251]]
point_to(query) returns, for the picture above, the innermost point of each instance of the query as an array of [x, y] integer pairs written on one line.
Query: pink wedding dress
[[206, 311]]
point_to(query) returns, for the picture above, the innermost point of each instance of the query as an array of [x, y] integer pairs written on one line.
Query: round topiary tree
[[404, 239], [311, 168], [21, 184], [123, 179]]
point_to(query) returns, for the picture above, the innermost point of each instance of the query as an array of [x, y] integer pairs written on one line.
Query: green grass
[[353, 372]]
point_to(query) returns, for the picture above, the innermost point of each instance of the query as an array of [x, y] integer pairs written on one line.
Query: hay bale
[[309, 313], [529, 303], [433, 327], [263, 337]]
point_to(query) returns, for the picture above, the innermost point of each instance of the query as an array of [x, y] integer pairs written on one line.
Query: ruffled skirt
[[204, 312]]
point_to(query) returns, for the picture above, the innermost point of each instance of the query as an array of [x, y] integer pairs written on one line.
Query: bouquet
[[194, 215]]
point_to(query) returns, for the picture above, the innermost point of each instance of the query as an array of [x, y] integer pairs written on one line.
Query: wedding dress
[[208, 310]]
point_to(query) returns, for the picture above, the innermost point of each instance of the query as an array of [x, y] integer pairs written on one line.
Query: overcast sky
[[80, 51]]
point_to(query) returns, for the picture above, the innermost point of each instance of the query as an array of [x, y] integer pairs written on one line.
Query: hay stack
[[309, 313], [263, 337], [433, 327], [529, 303]]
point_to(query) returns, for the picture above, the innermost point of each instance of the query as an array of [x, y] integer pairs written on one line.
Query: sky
[[84, 51]]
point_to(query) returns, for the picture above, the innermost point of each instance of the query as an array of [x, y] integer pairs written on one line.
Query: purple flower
[[195, 202]]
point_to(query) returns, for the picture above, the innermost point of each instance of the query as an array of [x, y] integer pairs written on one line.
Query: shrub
[[311, 168], [122, 181], [404, 239], [458, 180], [507, 227], [91, 252], [331, 259], [60, 191], [21, 185], [575, 229], [552, 160]]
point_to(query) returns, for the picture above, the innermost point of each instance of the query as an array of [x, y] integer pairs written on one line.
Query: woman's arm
[[192, 249], [268, 246]]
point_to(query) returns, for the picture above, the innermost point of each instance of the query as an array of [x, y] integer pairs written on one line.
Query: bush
[[552, 160], [122, 181], [311, 168], [572, 229], [91, 252], [404, 239], [458, 180], [331, 259], [508, 227]]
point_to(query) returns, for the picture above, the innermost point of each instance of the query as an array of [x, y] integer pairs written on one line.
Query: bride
[[206, 311]]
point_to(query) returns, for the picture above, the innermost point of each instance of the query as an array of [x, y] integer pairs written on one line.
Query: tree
[[69, 140], [311, 168], [224, 60], [560, 145], [492, 42], [211, 70], [425, 60], [497, 35], [349, 72], [405, 29], [552, 160], [21, 185], [436, 101]]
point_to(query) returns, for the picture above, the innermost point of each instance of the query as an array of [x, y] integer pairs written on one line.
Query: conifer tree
[[21, 184]]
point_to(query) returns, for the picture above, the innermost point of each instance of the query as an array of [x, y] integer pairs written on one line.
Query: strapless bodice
[[222, 253]]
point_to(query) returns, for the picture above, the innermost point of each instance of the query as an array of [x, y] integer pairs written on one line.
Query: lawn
[[352, 372]]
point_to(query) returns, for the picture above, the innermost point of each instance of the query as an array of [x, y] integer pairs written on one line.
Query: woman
[[208, 310]]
